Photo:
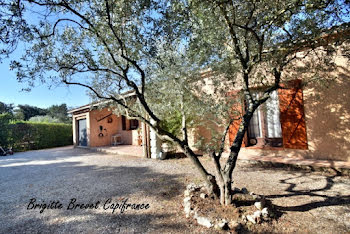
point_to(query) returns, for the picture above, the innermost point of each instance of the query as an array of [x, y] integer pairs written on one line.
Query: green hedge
[[28, 135], [4, 129]]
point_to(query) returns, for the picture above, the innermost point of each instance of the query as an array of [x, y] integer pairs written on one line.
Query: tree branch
[[184, 127], [133, 62], [129, 82], [57, 22], [223, 138], [165, 135]]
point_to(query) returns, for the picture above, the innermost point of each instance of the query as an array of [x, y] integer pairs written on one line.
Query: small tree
[[59, 112], [156, 48], [254, 44], [6, 108], [27, 111], [44, 119]]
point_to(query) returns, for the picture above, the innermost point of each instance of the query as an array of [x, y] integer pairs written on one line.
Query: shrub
[[173, 123], [27, 135], [4, 129], [44, 119]]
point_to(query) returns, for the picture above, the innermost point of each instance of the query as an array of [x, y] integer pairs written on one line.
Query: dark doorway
[[82, 133]]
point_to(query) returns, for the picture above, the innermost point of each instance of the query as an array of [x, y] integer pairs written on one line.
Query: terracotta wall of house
[[204, 135], [327, 112], [109, 128], [327, 118]]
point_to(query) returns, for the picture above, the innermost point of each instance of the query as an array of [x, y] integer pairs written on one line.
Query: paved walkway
[[342, 167], [298, 161], [129, 150]]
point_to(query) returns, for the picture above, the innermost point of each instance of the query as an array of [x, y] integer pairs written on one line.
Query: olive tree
[[254, 44], [158, 49]]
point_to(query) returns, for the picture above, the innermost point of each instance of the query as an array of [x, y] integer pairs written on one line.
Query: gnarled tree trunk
[[224, 175]]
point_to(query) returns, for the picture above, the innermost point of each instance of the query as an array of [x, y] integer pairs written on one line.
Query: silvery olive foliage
[[174, 64]]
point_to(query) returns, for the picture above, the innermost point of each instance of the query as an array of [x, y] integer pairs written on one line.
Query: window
[[265, 127], [134, 124], [280, 122], [273, 117], [254, 129]]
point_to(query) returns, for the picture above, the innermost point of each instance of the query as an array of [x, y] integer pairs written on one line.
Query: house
[[96, 127], [311, 121], [306, 122]]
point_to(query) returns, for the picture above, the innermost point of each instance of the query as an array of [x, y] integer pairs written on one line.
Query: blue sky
[[41, 96]]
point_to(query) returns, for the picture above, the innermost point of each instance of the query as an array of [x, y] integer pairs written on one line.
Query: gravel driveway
[[309, 202]]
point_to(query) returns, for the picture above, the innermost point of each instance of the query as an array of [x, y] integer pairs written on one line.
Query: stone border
[[261, 214]]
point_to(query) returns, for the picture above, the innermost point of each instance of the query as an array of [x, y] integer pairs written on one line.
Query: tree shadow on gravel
[[292, 191], [101, 180], [63, 180], [322, 196]]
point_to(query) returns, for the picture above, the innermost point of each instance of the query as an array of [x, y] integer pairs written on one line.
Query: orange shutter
[[237, 106], [292, 116]]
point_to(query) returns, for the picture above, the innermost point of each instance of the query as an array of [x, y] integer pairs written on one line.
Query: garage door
[[82, 133]]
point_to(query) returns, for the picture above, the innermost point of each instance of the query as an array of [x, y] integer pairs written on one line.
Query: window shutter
[[235, 125], [123, 123], [233, 131], [292, 116]]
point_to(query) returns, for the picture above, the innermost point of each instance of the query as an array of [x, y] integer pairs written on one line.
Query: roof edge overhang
[[91, 105]]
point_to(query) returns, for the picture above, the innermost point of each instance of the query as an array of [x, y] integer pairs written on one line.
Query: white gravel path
[[311, 202]]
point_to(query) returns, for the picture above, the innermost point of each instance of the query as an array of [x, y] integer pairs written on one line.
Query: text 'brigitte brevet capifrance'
[[108, 204]]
